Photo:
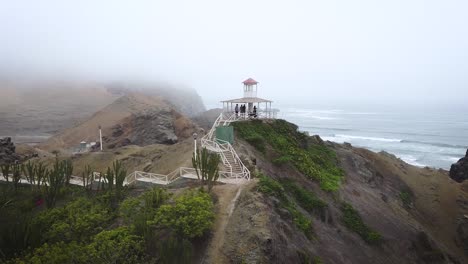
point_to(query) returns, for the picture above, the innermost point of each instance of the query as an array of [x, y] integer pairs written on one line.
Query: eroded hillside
[[320, 202]]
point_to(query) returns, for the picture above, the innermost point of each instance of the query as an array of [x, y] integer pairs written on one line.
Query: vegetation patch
[[406, 198], [97, 224], [306, 199], [191, 215], [353, 221], [274, 188], [316, 161]]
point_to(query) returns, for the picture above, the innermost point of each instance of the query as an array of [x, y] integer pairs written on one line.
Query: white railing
[[220, 146]]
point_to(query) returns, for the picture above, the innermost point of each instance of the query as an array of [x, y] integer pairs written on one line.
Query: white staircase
[[232, 168]]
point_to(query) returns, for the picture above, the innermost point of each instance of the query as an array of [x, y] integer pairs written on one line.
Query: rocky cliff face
[[134, 119], [459, 170], [7, 151], [419, 213]]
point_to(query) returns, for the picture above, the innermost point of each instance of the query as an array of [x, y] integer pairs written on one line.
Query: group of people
[[242, 111]]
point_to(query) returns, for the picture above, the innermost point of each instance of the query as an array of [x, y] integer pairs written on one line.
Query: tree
[[206, 167], [6, 171]]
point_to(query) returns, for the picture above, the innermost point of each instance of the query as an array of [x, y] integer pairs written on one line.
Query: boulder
[[459, 170]]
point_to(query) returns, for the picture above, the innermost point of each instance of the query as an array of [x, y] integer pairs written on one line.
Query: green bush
[[300, 220], [353, 221], [59, 253], [136, 212], [191, 215], [113, 246], [116, 246], [306, 199], [274, 188], [282, 160], [406, 198], [78, 220], [256, 141], [316, 161], [271, 187]]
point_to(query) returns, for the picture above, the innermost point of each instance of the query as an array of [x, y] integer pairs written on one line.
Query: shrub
[[282, 160], [300, 220], [406, 198], [316, 161], [78, 220], [271, 187], [306, 199], [256, 141], [274, 188], [57, 253], [116, 246], [353, 221], [191, 215], [138, 211]]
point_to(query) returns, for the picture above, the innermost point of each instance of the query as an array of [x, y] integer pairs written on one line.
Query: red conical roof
[[250, 81]]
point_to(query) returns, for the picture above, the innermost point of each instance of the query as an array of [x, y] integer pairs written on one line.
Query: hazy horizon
[[303, 53]]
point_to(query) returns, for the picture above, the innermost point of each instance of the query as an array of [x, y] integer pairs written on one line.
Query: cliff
[[321, 202]]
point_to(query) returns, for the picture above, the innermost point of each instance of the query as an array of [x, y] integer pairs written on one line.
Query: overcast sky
[[323, 52]]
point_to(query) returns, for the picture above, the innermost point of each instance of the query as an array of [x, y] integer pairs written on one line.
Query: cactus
[[67, 170], [6, 171], [41, 172], [16, 175], [55, 179], [206, 167], [87, 177], [110, 178], [120, 173]]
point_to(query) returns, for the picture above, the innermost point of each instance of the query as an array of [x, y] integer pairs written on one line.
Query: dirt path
[[227, 198]]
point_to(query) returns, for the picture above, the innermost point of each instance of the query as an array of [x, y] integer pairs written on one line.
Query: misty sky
[[323, 52]]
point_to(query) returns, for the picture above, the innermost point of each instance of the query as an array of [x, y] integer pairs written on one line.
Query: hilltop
[[33, 110], [133, 119]]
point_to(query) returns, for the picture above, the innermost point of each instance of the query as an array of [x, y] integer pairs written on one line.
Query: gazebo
[[250, 100]]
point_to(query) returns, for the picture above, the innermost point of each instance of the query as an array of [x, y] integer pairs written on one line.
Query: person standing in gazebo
[[236, 109]]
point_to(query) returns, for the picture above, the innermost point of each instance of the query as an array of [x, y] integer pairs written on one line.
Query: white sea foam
[[410, 159], [348, 137]]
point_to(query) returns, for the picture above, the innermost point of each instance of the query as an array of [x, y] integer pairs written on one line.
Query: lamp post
[[195, 144], [100, 137]]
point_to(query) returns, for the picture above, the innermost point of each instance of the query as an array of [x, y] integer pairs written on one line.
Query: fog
[[323, 53]]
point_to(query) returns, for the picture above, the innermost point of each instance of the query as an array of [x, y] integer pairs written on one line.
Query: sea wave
[[410, 159], [327, 128], [442, 145], [368, 138]]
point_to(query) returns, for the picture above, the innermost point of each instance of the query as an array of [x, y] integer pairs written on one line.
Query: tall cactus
[[110, 178], [16, 175], [6, 171], [119, 173], [67, 170], [206, 167], [87, 177], [41, 172], [29, 171], [55, 179]]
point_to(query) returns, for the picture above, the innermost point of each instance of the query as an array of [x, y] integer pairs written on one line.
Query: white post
[[100, 137], [195, 144]]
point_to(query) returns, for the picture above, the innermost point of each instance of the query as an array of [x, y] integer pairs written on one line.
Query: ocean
[[420, 138]]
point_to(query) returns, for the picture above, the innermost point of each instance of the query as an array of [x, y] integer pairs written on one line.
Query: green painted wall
[[225, 133]]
